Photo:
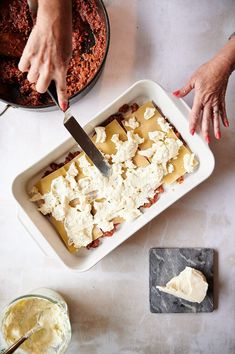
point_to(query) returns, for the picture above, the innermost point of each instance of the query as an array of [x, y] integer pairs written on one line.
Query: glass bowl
[[51, 296]]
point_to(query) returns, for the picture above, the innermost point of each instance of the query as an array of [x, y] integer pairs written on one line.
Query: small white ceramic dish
[[43, 232]]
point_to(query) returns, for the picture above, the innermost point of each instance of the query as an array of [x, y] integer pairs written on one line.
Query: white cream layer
[[82, 203]]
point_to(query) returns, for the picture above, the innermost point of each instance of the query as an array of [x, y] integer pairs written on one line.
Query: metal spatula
[[80, 135]]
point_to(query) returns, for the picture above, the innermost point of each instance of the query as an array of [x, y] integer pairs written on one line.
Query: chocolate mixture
[[88, 42]]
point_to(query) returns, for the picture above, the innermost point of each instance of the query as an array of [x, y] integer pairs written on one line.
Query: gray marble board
[[164, 264]]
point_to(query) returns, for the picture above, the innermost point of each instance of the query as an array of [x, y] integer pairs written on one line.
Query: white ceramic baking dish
[[41, 229]]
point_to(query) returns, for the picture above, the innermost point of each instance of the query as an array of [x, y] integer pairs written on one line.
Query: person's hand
[[210, 83], [48, 50]]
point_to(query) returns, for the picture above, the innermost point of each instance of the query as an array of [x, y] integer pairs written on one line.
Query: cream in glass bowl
[[44, 308]]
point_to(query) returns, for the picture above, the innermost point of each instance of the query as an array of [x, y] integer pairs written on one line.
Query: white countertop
[[164, 41]]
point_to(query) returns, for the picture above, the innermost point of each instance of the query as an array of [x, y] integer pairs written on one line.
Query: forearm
[[55, 4], [55, 16], [227, 53], [55, 11]]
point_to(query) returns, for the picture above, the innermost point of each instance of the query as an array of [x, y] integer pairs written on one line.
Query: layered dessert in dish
[[145, 153]]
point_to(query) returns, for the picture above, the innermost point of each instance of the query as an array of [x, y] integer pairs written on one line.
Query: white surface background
[[164, 41]]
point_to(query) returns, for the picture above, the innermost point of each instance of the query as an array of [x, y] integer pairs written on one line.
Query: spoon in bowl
[[20, 341]]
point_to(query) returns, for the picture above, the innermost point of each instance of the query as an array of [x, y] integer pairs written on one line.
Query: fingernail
[[208, 139], [192, 131], [176, 93], [64, 106], [226, 123], [218, 135]]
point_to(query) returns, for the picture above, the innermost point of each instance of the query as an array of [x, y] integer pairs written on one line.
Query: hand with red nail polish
[[192, 131], [64, 106], [210, 84], [218, 135], [176, 93]]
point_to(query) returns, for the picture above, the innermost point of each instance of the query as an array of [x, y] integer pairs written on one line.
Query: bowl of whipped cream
[[44, 308]]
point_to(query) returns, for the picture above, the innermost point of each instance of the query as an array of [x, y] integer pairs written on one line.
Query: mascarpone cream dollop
[[149, 112], [170, 168], [189, 162], [164, 125], [162, 150], [125, 150], [100, 135], [131, 123], [156, 135]]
